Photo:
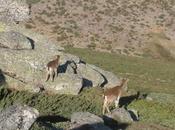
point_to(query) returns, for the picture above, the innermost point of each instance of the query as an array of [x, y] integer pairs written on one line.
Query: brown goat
[[113, 95], [52, 68]]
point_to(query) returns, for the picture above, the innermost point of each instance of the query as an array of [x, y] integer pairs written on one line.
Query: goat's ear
[[124, 80], [127, 80]]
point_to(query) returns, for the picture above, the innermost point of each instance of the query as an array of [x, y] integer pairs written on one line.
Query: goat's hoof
[[110, 113]]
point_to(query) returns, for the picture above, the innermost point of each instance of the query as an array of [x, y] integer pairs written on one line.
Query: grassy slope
[[142, 73], [63, 105], [145, 74], [117, 26]]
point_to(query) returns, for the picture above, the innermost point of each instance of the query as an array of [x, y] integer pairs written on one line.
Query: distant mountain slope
[[122, 26]]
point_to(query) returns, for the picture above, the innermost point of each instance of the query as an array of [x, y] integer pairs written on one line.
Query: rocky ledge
[[24, 62]]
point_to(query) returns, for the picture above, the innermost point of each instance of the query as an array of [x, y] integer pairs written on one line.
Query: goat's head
[[124, 83], [57, 56]]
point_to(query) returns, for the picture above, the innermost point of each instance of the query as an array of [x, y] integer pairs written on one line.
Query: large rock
[[111, 80], [71, 68], [68, 63], [22, 65], [90, 76], [14, 10], [15, 40], [18, 118], [120, 115], [85, 118], [65, 84], [87, 121], [25, 68], [69, 57]]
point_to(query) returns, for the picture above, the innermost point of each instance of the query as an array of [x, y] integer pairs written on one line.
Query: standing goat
[[113, 95], [52, 68]]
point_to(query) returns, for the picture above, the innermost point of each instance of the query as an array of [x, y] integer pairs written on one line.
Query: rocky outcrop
[[65, 84], [15, 40], [120, 115], [90, 76], [14, 10], [110, 79], [24, 62], [87, 121], [18, 118]]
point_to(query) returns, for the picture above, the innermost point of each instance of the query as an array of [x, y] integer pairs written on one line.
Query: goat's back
[[115, 91], [53, 63]]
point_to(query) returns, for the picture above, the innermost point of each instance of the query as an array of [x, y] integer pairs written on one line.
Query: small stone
[[120, 115]]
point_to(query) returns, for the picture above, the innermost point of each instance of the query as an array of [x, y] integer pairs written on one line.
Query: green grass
[[145, 74], [63, 105], [153, 112]]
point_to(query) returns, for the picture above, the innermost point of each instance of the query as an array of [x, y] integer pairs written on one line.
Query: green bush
[[63, 105]]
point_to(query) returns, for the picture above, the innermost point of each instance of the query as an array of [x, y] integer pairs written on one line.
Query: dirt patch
[[114, 26]]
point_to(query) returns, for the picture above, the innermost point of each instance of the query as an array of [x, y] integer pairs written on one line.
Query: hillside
[[122, 26], [146, 75], [92, 46]]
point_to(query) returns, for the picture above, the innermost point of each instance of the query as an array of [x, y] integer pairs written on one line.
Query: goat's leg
[[117, 101], [56, 72], [103, 109], [52, 75], [47, 75], [104, 106], [107, 107]]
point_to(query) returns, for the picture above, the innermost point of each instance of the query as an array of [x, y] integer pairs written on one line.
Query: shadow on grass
[[48, 121], [125, 101], [52, 119]]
